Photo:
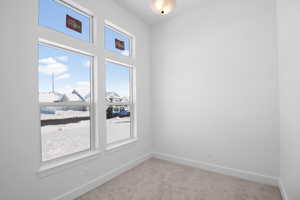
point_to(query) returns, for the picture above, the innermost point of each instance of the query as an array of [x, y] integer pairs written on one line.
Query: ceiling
[[141, 8]]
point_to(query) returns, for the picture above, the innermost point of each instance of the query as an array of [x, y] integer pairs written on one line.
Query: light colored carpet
[[155, 179]]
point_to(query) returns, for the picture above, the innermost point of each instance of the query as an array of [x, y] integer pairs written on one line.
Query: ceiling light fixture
[[163, 7]]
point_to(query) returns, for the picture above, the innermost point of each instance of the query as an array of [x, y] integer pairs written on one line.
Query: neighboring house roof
[[115, 97], [87, 97], [50, 97], [112, 97], [74, 96], [112, 94], [78, 95], [124, 99]]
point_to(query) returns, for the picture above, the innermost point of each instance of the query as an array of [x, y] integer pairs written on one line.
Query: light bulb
[[163, 7]]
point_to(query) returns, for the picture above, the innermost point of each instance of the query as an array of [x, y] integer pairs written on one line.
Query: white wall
[[19, 129], [289, 79], [214, 86]]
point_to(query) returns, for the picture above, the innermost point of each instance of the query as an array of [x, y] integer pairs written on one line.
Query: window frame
[[130, 102], [99, 56], [128, 62], [48, 36], [91, 104]]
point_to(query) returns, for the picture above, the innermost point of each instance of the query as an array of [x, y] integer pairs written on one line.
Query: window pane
[[53, 15], [117, 83], [118, 123], [117, 42], [64, 76], [65, 130]]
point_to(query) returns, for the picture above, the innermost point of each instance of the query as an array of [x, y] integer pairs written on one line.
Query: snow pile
[[66, 139], [46, 97]]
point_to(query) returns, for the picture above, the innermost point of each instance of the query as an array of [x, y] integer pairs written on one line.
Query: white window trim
[[64, 47], [54, 165], [126, 61]]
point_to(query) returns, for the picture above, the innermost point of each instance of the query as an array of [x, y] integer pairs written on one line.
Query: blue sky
[[53, 16], [117, 79], [110, 36], [72, 70]]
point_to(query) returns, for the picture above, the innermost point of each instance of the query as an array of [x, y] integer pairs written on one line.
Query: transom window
[[62, 17], [117, 41]]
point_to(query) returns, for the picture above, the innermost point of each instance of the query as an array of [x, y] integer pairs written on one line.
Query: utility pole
[[52, 82]]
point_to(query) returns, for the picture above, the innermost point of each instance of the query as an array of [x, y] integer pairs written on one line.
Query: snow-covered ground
[[118, 129], [66, 139]]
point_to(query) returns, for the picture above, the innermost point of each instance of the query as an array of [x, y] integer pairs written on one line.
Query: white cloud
[[49, 60], [63, 58], [63, 76], [50, 66]]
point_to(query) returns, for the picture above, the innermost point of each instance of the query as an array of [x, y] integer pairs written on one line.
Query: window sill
[[48, 169], [55, 167], [121, 144]]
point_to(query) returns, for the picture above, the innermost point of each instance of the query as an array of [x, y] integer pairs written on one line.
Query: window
[[66, 83], [62, 17], [116, 41], [69, 113], [65, 101], [120, 87], [118, 98]]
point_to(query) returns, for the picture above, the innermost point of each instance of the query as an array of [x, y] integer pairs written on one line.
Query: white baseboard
[[220, 169], [282, 190], [101, 180]]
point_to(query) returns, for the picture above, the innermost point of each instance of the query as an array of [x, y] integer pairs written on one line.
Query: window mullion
[[115, 57]]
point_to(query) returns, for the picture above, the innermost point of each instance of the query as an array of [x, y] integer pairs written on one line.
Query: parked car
[[112, 113]]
